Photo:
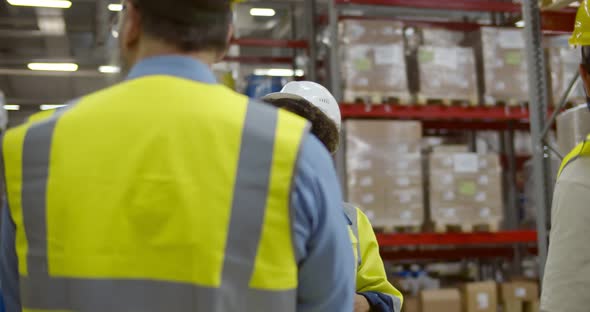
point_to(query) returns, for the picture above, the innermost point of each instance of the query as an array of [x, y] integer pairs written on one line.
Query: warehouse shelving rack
[[534, 117]]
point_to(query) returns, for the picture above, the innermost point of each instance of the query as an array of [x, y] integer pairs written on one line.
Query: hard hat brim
[[283, 95]]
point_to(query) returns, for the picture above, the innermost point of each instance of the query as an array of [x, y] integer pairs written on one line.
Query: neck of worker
[[154, 48]]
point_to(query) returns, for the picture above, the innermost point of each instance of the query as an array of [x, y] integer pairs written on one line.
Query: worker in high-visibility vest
[[169, 192], [566, 282], [315, 103]]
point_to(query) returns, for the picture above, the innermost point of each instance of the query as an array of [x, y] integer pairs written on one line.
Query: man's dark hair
[[190, 25], [321, 125]]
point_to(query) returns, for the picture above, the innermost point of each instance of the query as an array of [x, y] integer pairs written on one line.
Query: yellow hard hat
[[581, 35]]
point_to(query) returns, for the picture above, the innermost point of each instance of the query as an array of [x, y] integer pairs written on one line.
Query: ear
[[230, 34], [131, 27], [585, 76]]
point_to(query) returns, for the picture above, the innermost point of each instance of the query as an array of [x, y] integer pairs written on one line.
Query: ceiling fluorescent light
[[65, 67], [109, 69], [115, 7], [12, 107], [45, 107], [58, 4], [279, 72], [262, 12], [519, 24]]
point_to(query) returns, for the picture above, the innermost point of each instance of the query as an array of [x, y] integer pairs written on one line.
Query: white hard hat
[[313, 93]]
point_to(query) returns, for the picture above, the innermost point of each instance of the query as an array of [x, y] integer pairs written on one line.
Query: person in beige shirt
[[566, 282]]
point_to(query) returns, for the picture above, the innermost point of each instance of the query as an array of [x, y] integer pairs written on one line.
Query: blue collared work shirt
[[322, 246]]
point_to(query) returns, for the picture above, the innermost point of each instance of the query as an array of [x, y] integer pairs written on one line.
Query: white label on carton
[[406, 215], [481, 197], [366, 181], [405, 198], [485, 212], [483, 301], [449, 212], [389, 54], [450, 195], [362, 81], [483, 180], [403, 181], [520, 292], [448, 161], [510, 39], [402, 148], [368, 199], [446, 57], [402, 165], [466, 163], [447, 179]]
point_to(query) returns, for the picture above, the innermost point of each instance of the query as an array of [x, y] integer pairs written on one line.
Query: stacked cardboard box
[[384, 171], [447, 67], [520, 296], [465, 189], [440, 300], [504, 65], [480, 297], [373, 60]]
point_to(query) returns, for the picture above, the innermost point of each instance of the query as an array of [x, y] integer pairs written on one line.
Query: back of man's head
[[189, 25]]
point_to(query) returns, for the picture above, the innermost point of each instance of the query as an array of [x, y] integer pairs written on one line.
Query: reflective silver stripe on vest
[[397, 303], [40, 291], [351, 213]]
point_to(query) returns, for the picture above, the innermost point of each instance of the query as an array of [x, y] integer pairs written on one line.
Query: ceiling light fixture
[[12, 107], [58, 4], [115, 7], [262, 12], [45, 107], [520, 24], [279, 72], [65, 67], [109, 69]]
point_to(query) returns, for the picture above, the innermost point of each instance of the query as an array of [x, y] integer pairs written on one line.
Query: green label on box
[[362, 64], [425, 56], [467, 188], [513, 58]]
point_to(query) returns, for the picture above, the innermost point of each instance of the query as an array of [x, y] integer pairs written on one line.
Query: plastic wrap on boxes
[[565, 62], [505, 66], [465, 188], [373, 58], [447, 73], [573, 126], [384, 171]]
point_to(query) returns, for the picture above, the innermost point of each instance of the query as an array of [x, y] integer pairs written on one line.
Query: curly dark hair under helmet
[[321, 125]]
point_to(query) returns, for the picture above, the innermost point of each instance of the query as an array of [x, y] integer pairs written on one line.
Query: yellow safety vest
[[370, 272], [583, 149], [158, 194]]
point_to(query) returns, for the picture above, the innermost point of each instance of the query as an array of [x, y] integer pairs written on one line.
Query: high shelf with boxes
[[386, 38]]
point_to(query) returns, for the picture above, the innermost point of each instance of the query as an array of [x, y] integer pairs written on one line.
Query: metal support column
[[336, 86], [511, 211], [538, 99], [311, 14]]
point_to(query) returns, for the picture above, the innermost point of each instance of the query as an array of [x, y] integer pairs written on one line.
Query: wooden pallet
[[443, 227], [398, 228], [424, 100], [508, 103], [377, 98]]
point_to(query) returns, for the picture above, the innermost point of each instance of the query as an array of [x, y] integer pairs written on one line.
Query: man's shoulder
[[577, 171]]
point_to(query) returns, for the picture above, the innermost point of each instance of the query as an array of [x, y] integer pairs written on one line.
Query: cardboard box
[[450, 149], [373, 57], [447, 73], [384, 171], [520, 291], [440, 300], [534, 306], [465, 188], [411, 304], [504, 65], [480, 297]]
